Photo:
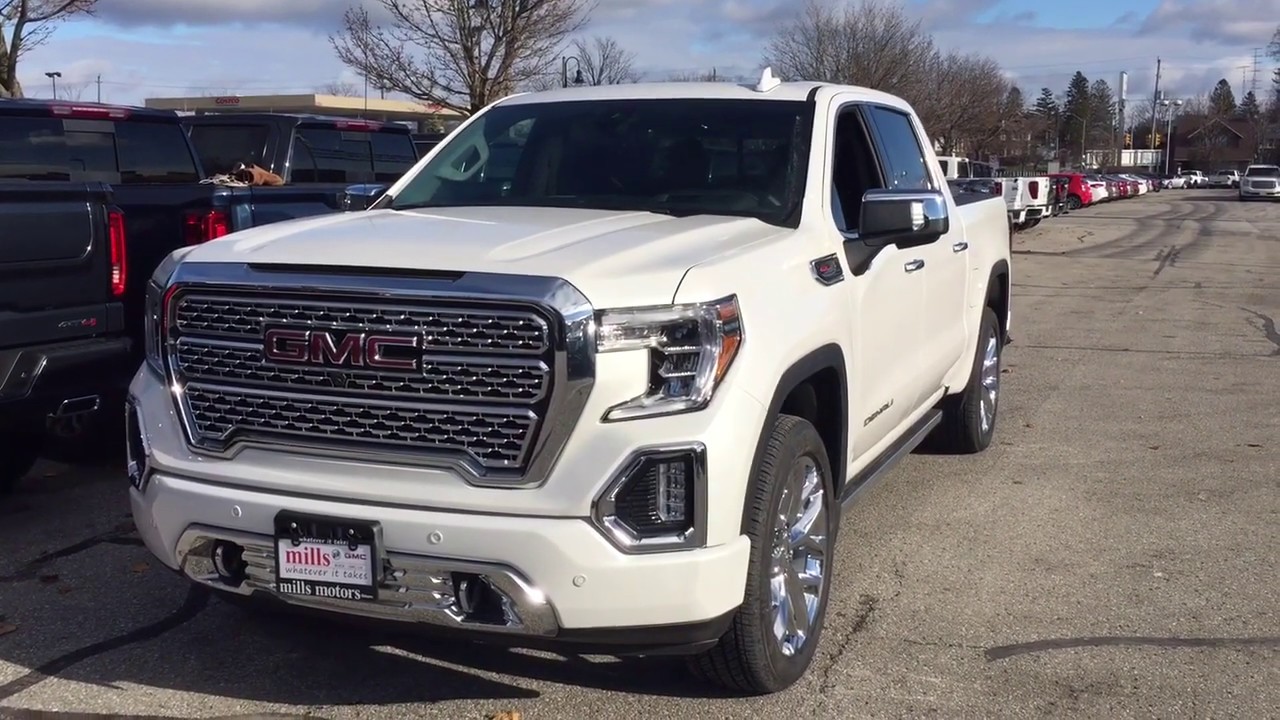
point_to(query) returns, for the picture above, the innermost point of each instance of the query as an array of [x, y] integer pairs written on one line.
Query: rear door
[[53, 238]]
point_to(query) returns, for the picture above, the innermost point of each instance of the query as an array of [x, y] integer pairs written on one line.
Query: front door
[[938, 267], [885, 292]]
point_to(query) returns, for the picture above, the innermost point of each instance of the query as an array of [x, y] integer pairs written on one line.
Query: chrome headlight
[[690, 347], [154, 309]]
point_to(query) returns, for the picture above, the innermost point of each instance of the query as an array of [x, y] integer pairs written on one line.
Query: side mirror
[[360, 197], [905, 217]]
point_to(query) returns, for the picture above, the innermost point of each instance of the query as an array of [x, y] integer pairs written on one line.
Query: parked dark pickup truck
[[63, 346], [352, 159], [68, 159]]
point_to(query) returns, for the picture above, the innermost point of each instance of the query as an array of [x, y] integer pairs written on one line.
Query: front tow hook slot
[[228, 563], [476, 599]]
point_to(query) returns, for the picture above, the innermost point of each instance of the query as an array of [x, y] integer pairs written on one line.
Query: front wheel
[[791, 520]]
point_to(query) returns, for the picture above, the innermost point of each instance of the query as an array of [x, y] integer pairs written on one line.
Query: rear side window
[[393, 155], [900, 150], [321, 155], [90, 148], [118, 152], [154, 153], [32, 149], [221, 147]]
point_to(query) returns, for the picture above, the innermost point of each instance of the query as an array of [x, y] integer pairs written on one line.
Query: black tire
[[1074, 202], [748, 658], [962, 429], [21, 450]]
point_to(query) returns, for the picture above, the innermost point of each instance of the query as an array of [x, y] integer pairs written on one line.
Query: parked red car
[[1079, 193]]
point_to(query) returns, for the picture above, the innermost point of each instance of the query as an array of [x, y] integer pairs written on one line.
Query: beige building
[[427, 117]]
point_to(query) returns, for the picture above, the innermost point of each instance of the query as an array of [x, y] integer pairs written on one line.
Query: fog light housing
[[137, 451], [657, 501]]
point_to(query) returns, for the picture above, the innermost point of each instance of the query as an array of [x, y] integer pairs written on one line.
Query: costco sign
[[226, 101]]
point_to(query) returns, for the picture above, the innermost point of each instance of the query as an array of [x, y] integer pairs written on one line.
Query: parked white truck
[[603, 371], [1028, 199]]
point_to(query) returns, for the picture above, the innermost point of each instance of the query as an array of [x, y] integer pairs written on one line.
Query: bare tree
[[459, 54], [871, 43], [601, 60], [604, 61], [73, 91], [711, 75], [25, 25], [341, 88], [964, 106]]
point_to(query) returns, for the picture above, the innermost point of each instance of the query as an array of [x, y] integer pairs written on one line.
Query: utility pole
[[1155, 104], [99, 88], [1257, 64]]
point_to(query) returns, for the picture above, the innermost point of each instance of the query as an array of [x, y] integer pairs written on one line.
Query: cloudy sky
[[151, 48]]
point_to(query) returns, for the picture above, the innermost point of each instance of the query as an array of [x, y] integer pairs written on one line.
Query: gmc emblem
[[328, 348]]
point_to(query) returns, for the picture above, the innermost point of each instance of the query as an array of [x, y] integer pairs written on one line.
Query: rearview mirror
[[905, 217]]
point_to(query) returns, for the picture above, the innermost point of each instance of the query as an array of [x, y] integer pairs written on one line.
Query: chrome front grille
[[495, 439], [445, 328], [498, 378], [487, 378]]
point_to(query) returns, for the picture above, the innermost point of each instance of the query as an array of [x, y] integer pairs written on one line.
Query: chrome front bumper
[[415, 589]]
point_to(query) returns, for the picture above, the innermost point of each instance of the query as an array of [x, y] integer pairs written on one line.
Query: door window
[[900, 150]]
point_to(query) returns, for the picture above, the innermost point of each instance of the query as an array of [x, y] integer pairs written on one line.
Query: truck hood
[[616, 258]]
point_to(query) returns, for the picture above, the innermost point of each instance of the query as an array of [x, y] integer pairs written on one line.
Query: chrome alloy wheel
[[799, 558], [990, 382]]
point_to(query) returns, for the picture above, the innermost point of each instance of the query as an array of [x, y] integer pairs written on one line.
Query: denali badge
[[334, 348]]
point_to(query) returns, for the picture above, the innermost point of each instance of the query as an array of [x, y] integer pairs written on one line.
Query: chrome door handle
[[960, 247], [913, 266]]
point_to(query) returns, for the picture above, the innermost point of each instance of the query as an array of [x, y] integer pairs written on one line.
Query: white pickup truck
[[603, 370], [1028, 199]]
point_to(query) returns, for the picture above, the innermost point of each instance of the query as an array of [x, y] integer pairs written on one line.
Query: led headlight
[[690, 347]]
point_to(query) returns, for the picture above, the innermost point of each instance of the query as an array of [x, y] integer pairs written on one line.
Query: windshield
[[674, 156], [1264, 171]]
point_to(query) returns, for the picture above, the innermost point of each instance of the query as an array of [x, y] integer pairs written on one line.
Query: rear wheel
[[969, 419], [791, 520], [21, 450], [1074, 202]]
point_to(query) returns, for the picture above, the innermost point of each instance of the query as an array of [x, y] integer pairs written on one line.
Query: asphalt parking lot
[[1114, 555]]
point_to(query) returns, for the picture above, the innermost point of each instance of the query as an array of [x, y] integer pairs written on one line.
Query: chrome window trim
[[572, 335]]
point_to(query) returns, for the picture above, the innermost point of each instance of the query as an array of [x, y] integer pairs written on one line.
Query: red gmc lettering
[[375, 359], [286, 345], [318, 347], [326, 351]]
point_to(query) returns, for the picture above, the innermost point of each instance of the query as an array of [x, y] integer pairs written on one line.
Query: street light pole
[[1171, 108], [53, 78], [564, 71]]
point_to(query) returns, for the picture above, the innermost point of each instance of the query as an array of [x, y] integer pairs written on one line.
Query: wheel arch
[[999, 292], [797, 390]]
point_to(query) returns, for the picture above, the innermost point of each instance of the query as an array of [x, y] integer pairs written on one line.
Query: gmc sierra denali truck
[[613, 392]]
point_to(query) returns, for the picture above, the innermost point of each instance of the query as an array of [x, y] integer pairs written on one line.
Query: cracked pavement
[[1113, 555]]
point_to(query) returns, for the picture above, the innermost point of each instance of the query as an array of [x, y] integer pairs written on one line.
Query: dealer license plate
[[326, 557]]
